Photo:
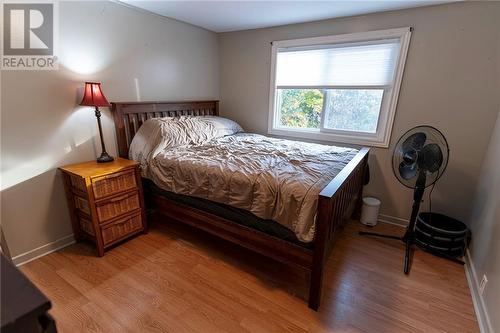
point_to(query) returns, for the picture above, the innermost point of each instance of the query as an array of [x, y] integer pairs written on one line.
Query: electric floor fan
[[418, 161]]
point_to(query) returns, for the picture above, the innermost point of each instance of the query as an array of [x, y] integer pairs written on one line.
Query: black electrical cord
[[430, 197]]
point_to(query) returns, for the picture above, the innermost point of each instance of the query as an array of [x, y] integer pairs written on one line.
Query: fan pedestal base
[[409, 240], [409, 237]]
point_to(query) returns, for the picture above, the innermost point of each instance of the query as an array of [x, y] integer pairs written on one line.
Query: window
[[341, 88]]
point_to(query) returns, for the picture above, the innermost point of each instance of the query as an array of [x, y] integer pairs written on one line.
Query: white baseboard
[[26, 257], [392, 220], [483, 318]]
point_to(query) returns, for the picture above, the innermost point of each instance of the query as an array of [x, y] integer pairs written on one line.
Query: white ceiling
[[222, 16]]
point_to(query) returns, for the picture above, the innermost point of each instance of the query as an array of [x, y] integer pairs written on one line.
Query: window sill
[[353, 139]]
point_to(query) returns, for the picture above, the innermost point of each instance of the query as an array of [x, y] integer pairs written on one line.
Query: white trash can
[[369, 212]]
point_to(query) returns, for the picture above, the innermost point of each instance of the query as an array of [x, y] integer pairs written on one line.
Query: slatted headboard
[[129, 116]]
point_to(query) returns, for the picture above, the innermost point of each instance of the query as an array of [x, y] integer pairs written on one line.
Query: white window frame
[[389, 100]]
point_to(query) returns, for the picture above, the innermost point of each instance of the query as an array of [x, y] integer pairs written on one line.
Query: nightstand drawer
[[82, 205], [116, 206], [121, 228], [78, 184], [112, 184], [86, 225]]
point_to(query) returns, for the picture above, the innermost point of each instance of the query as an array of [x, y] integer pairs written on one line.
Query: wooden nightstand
[[105, 200]]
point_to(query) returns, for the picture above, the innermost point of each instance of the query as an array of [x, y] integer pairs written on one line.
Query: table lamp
[[93, 96]]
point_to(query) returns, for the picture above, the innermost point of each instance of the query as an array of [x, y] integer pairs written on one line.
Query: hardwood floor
[[177, 279]]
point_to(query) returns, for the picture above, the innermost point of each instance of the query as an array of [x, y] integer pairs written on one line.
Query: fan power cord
[[430, 197]]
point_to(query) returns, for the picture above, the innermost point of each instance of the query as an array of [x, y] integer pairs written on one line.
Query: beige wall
[[485, 225], [451, 81], [42, 126]]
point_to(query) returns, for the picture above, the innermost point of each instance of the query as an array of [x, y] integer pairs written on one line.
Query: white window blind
[[354, 64], [338, 88]]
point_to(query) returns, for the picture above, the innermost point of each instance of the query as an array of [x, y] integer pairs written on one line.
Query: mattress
[[236, 215]]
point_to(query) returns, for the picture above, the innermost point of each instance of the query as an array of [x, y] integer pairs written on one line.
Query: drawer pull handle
[[120, 198], [120, 222], [117, 223], [115, 175]]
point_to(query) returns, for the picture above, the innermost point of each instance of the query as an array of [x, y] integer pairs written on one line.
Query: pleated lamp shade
[[93, 95]]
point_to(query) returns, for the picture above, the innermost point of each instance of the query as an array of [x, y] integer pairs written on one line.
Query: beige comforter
[[272, 178]]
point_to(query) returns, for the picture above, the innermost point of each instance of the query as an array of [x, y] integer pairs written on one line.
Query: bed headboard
[[129, 116]]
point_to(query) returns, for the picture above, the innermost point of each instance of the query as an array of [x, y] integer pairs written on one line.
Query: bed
[[334, 203]]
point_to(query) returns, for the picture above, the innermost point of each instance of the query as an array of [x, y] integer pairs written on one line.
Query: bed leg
[[315, 287], [321, 246]]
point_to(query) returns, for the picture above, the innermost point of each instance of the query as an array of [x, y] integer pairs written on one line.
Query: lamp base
[[104, 158]]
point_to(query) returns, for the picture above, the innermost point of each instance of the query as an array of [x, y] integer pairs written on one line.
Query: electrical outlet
[[482, 285]]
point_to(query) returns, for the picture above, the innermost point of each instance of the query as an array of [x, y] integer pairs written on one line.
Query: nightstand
[[105, 201]]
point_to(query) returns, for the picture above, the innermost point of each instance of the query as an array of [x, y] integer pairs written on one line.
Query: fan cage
[[433, 135]]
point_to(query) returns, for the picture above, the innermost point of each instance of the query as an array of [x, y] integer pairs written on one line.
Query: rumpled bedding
[[272, 178]]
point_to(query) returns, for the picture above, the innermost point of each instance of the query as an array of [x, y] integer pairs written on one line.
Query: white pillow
[[222, 126], [158, 134], [147, 138]]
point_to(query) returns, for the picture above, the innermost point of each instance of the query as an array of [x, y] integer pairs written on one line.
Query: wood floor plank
[[177, 279]]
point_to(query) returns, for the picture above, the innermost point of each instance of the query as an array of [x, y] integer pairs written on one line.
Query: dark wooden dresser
[[105, 201], [24, 307]]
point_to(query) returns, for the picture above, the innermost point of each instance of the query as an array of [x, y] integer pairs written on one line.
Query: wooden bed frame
[[336, 202]]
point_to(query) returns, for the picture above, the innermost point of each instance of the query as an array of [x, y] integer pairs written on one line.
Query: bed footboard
[[336, 202]]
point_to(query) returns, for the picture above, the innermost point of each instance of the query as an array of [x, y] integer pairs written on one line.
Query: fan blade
[[414, 142], [407, 171], [430, 158]]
